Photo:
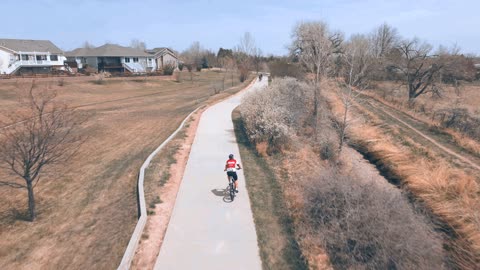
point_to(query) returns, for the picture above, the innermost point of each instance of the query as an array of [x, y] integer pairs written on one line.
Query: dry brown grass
[[449, 193], [87, 209], [357, 218], [276, 238], [427, 107]]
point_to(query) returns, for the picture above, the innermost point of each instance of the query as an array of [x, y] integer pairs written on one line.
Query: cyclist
[[231, 168]]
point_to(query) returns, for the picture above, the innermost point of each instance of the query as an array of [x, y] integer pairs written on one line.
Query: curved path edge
[[137, 233]]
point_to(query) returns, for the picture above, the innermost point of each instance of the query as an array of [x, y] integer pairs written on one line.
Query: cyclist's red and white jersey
[[231, 165]]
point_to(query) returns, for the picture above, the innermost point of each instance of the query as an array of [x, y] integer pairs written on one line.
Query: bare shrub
[[365, 226], [461, 120], [243, 73], [177, 76], [326, 144], [168, 69], [217, 88], [99, 79], [274, 114]]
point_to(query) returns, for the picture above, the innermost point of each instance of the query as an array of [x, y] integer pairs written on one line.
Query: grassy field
[[87, 209], [278, 247]]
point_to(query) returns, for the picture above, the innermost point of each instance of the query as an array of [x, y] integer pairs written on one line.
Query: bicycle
[[231, 187]]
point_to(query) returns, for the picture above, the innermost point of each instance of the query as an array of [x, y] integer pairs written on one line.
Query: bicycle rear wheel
[[232, 190]]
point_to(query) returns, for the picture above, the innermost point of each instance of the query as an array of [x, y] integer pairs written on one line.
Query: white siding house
[[30, 56], [163, 57], [113, 58]]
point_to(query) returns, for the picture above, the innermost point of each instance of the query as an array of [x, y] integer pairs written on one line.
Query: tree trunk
[[411, 93], [343, 128], [31, 201], [316, 98]]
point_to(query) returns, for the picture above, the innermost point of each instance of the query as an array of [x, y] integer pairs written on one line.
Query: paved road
[[206, 230]]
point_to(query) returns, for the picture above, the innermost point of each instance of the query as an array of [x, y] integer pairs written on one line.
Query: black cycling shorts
[[234, 175]]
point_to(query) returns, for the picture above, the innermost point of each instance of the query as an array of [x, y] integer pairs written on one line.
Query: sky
[[216, 23]]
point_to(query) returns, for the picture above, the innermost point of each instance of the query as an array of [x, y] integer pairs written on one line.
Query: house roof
[[107, 50], [161, 51], [28, 45]]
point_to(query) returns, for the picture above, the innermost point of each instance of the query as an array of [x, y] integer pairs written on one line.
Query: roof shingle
[[28, 45], [107, 50]]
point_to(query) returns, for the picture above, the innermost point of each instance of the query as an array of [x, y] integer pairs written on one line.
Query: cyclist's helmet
[[230, 156]]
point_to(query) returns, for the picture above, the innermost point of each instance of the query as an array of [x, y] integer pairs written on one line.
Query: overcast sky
[[216, 23]]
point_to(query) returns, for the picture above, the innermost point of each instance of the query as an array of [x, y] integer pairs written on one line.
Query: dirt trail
[[421, 133]]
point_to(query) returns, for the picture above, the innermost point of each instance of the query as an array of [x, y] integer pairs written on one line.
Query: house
[[164, 56], [19, 56], [113, 58]]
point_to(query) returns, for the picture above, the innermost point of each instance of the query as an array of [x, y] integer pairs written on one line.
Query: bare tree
[[193, 55], [359, 60], [315, 45], [247, 45], [137, 44], [231, 65], [257, 59], [44, 133], [418, 66], [245, 54], [456, 66], [87, 45], [384, 39]]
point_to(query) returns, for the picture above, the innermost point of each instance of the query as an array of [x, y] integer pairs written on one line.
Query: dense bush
[[168, 69], [273, 115], [364, 225], [243, 73], [460, 120]]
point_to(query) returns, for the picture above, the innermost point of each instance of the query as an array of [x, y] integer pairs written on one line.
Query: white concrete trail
[[206, 230]]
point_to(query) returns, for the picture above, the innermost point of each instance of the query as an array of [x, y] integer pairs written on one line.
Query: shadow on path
[[222, 193]]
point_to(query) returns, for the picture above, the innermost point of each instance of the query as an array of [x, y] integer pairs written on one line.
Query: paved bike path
[[206, 230]]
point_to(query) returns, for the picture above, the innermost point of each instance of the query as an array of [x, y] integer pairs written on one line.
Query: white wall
[[141, 65], [4, 61], [60, 62]]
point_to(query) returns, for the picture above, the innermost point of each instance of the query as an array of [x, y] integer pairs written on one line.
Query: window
[[41, 57], [127, 60], [24, 57], [135, 59], [53, 57]]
